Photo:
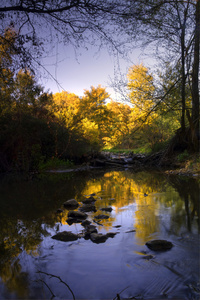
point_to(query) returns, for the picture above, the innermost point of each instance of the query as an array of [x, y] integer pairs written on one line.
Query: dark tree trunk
[[195, 83], [183, 77]]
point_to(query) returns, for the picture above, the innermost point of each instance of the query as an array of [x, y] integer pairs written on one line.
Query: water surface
[[146, 206]]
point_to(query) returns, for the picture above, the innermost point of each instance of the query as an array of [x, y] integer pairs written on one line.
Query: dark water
[[123, 264]]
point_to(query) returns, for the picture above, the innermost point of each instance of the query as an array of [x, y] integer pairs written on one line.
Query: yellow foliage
[[141, 90]]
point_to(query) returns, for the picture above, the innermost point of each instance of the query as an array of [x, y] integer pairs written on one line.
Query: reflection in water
[[146, 205]]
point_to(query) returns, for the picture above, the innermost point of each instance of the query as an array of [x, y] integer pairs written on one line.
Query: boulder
[[101, 217], [77, 215], [159, 245], [65, 236], [72, 203]]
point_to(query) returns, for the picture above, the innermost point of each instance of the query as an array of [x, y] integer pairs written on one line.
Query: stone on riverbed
[[159, 245], [72, 203], [109, 209], [65, 236], [71, 221], [101, 238], [85, 223], [88, 207], [98, 238], [89, 200], [101, 217], [77, 215], [89, 230]]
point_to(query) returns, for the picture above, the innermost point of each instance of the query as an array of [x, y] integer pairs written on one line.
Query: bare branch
[[58, 277]]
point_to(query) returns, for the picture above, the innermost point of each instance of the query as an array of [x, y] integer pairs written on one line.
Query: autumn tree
[[6, 69], [173, 26], [94, 112], [119, 129]]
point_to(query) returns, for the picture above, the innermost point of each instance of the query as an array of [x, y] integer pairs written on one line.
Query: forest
[[161, 109]]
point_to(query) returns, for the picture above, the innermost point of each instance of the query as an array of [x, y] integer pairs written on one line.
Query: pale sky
[[90, 68]]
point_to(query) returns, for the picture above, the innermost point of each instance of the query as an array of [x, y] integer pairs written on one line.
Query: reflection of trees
[[126, 188], [189, 191], [17, 237], [27, 210], [146, 221]]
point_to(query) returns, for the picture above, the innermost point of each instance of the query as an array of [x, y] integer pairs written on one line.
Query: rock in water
[[65, 236], [89, 200], [98, 238], [99, 217], [71, 203], [88, 207], [85, 223], [159, 245], [77, 215], [109, 209]]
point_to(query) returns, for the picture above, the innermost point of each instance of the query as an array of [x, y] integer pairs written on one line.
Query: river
[[145, 206]]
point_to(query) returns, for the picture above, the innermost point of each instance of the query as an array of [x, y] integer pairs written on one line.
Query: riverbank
[[181, 164]]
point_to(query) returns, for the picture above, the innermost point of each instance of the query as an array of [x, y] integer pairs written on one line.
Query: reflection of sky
[[91, 67]]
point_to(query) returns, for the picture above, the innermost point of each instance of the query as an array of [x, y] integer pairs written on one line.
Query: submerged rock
[[77, 215], [111, 234], [133, 230], [89, 230], [89, 200], [101, 217], [109, 209], [148, 257], [71, 221], [65, 236], [159, 245], [101, 238], [88, 207], [85, 223], [72, 203], [98, 238]]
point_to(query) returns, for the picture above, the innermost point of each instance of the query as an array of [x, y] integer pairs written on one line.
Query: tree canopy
[[73, 125]]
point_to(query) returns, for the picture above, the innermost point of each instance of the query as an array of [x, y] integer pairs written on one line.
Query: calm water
[[122, 265]]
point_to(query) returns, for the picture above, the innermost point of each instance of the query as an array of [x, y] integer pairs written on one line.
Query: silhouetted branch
[[58, 277]]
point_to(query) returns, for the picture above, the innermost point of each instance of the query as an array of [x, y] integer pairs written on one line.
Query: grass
[[55, 163], [141, 150]]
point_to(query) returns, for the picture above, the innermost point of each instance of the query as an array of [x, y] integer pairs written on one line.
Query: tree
[[77, 23], [119, 126], [141, 88], [94, 111], [170, 25], [174, 25], [7, 41], [66, 108], [195, 80]]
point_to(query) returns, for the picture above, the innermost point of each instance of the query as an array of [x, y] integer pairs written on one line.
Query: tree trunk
[[183, 77], [195, 83]]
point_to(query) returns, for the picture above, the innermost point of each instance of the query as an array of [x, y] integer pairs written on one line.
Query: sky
[[91, 67]]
